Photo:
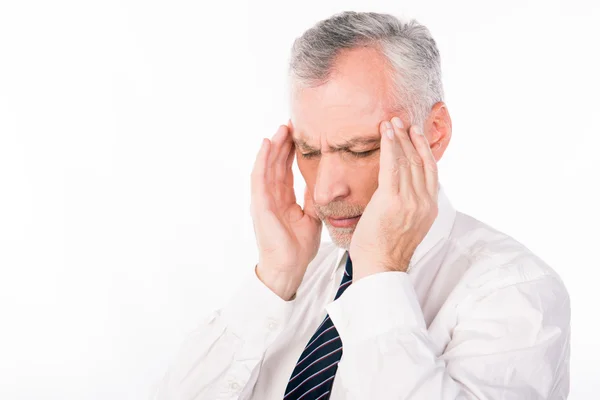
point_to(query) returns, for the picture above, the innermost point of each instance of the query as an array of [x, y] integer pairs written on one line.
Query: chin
[[341, 237]]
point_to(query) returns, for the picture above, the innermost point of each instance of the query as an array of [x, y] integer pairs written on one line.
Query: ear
[[438, 129]]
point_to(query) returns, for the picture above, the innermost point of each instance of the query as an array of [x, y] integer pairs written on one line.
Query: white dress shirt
[[476, 316]]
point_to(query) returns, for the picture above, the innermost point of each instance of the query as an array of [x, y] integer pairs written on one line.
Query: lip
[[343, 222]]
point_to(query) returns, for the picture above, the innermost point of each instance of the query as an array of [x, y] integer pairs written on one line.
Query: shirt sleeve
[[221, 358], [510, 343]]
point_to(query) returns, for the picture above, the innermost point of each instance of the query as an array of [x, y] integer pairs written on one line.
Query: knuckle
[[402, 161], [426, 204], [415, 159], [415, 202], [409, 199], [432, 166]]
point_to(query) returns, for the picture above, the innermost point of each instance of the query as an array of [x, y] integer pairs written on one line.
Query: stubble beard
[[341, 237]]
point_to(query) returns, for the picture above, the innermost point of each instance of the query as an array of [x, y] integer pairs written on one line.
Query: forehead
[[355, 99]]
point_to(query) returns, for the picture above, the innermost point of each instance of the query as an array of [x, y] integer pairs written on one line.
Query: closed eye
[[360, 154], [308, 156], [363, 154]]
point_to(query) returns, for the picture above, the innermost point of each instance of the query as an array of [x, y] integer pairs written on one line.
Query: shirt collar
[[440, 229]]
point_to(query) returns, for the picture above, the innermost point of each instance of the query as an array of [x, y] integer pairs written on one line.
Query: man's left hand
[[404, 206]]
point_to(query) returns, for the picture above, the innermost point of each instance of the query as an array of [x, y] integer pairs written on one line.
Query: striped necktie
[[315, 370]]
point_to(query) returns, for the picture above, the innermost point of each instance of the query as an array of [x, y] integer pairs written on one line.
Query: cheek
[[364, 179]]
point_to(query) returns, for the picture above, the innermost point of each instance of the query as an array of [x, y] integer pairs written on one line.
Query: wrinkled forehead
[[337, 111], [355, 99]]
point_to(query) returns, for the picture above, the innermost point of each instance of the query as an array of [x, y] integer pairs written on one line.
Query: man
[[413, 299]]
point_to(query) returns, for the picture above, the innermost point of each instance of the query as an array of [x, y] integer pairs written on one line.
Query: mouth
[[344, 222]]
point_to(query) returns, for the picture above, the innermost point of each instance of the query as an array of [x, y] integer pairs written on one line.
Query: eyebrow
[[346, 146]]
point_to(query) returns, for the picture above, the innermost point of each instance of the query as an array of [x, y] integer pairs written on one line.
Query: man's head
[[347, 74]]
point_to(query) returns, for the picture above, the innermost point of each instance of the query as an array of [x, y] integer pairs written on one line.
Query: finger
[[276, 142], [286, 180], [282, 156], [291, 156], [430, 168], [386, 156], [416, 184], [289, 174], [392, 163], [259, 172]]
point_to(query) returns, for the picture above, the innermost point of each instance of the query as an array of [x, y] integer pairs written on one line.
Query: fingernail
[[417, 130], [387, 127], [398, 122]]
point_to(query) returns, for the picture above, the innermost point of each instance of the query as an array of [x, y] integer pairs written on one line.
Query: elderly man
[[413, 299]]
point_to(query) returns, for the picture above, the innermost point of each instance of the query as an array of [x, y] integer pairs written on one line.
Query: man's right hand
[[288, 236]]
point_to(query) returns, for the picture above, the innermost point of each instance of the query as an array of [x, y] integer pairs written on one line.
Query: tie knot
[[348, 268], [346, 278]]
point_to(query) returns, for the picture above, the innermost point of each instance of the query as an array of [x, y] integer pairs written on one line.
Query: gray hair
[[407, 46]]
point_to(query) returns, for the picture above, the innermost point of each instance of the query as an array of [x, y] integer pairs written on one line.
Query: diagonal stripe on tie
[[313, 375]]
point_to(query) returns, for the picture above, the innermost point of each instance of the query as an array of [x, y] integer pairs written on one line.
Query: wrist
[[360, 271], [282, 284], [363, 268]]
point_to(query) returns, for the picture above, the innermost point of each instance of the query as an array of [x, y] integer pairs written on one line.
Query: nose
[[331, 181]]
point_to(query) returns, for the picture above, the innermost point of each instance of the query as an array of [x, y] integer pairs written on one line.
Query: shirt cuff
[[255, 313], [374, 305]]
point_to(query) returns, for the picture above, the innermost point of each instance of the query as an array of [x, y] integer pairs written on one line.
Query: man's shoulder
[[496, 259]]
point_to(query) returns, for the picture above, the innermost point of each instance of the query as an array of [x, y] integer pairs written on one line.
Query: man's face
[[336, 133]]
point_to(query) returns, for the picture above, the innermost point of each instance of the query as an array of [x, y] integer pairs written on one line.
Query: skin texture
[[394, 187]]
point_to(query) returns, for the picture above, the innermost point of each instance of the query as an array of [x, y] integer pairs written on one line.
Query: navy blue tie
[[315, 370]]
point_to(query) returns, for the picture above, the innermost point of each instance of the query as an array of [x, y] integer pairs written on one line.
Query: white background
[[128, 130]]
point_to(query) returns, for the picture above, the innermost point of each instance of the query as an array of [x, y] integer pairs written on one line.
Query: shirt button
[[272, 325], [235, 386]]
